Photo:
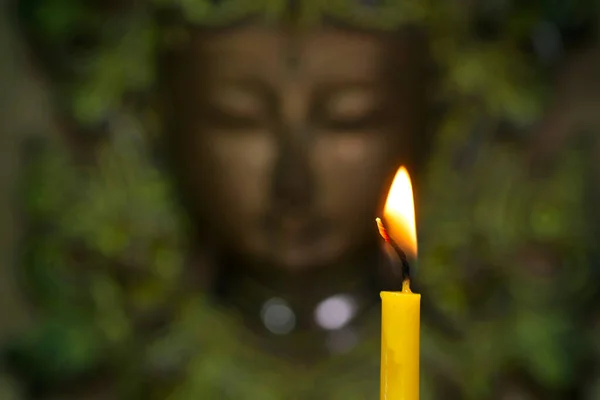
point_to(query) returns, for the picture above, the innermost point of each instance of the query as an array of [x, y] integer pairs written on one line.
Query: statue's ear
[[202, 270], [573, 109]]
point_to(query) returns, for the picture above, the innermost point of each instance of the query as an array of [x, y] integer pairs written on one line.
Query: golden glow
[[399, 214]]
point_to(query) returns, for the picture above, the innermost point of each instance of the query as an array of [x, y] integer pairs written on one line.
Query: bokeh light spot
[[278, 317], [335, 312]]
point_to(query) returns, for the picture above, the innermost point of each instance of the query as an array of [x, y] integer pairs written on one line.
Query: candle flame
[[399, 214]]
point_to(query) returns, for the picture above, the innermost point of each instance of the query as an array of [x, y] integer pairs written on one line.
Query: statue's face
[[288, 141]]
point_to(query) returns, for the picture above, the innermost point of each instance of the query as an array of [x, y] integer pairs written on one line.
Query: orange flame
[[399, 214]]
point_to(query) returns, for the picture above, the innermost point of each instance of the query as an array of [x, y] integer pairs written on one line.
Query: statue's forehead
[[323, 52]]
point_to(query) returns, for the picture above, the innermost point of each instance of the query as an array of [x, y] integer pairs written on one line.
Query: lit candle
[[400, 320]]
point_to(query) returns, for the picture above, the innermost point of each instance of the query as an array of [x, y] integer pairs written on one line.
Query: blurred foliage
[[105, 251], [511, 275]]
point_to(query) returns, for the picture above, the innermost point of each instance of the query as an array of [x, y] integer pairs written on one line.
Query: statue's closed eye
[[351, 108], [235, 107]]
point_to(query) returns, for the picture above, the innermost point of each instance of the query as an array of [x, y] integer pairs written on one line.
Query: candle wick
[[405, 266], [406, 286]]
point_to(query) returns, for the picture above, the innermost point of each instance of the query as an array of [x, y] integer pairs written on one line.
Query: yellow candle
[[400, 319], [400, 322]]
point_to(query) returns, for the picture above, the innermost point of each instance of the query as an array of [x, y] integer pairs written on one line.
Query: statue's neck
[[283, 308]]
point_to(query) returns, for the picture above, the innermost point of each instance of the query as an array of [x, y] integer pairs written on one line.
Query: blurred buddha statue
[[284, 141]]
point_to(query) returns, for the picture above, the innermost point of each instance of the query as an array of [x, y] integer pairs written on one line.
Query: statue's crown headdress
[[108, 47]]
